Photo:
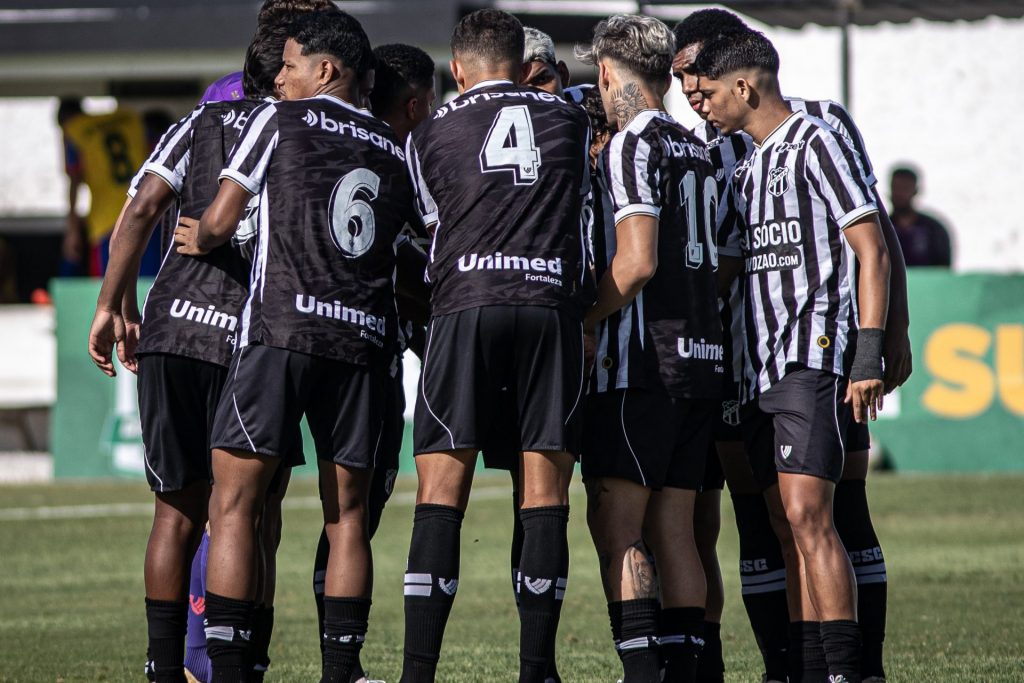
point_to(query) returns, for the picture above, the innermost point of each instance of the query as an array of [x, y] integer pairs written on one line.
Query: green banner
[[961, 411], [963, 408]]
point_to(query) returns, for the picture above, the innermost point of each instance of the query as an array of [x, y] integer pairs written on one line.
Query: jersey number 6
[[509, 146], [352, 220]]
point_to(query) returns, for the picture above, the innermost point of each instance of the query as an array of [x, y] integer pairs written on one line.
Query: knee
[[808, 519]]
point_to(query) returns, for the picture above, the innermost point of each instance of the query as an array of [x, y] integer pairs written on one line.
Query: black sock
[[710, 663], [431, 580], [228, 625], [259, 645], [542, 586], [345, 623], [841, 642], [167, 622], [853, 523], [637, 642], [680, 638], [806, 656], [763, 577]]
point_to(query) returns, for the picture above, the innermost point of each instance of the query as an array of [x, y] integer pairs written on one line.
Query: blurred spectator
[[925, 241], [103, 152]]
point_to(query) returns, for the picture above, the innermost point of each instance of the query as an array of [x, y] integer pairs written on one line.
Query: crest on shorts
[[731, 413], [389, 482], [786, 451], [778, 181]]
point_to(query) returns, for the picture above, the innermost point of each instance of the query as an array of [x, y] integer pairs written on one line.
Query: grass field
[[71, 586]]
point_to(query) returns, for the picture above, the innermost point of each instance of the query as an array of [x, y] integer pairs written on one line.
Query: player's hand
[[107, 331], [866, 396], [126, 348], [899, 361], [186, 236]]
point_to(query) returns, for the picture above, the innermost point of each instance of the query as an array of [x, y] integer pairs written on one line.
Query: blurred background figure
[[924, 239]]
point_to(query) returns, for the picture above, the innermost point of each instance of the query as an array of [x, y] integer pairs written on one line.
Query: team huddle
[[585, 281]]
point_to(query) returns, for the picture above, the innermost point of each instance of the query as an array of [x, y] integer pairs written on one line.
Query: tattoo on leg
[[627, 102], [641, 573]]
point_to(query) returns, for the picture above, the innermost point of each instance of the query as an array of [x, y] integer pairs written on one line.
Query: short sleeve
[[836, 172], [425, 205], [250, 159], [172, 156], [634, 176]]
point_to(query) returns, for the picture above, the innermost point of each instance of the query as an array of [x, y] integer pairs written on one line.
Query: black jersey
[[334, 194], [193, 307], [794, 197], [670, 336], [502, 172]]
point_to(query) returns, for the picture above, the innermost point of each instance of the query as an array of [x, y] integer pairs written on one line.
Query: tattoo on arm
[[627, 102]]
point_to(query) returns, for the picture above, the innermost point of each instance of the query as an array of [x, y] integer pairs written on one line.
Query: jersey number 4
[[510, 146], [709, 198], [352, 221]]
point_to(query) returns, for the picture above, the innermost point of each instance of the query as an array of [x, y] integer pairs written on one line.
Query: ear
[[326, 71], [604, 77], [460, 79], [744, 89], [410, 107], [563, 73], [524, 71]]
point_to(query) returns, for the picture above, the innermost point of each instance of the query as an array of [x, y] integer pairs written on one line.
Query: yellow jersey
[[111, 148]]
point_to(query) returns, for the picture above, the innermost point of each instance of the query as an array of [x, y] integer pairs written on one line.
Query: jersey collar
[[778, 130], [342, 102], [489, 84]]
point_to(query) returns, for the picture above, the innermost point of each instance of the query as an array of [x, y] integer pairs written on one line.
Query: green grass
[[71, 589]]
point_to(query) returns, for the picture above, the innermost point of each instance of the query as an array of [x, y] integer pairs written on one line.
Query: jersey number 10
[[688, 198], [509, 146]]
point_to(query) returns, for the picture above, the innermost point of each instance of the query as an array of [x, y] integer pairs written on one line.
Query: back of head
[[592, 104], [489, 37], [538, 46], [747, 51], [906, 171], [334, 34], [263, 60], [401, 69], [643, 45], [68, 108], [705, 26], [283, 11]]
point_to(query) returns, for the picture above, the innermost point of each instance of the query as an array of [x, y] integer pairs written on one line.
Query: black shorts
[[177, 400], [726, 425], [268, 390], [798, 427], [473, 357], [501, 447], [383, 483], [646, 437]]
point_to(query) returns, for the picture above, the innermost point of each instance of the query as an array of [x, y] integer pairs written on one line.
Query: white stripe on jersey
[[835, 115]]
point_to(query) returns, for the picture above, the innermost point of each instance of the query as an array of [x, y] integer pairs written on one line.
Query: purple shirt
[[225, 88]]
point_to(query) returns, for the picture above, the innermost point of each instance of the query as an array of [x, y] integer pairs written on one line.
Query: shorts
[[501, 447], [268, 390], [798, 427], [646, 437], [857, 437], [515, 371], [726, 425], [177, 400], [386, 471]]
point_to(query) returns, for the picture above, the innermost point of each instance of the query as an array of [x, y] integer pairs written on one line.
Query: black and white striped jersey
[[502, 172], [334, 194], [193, 307], [669, 338], [793, 198], [835, 115]]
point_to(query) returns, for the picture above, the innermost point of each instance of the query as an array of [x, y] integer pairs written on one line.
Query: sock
[[763, 579], [431, 580], [345, 624], [853, 522], [228, 631], [196, 660], [552, 675], [167, 621], [841, 642], [516, 551], [259, 646], [541, 587], [807, 657], [637, 642], [710, 663], [681, 637]]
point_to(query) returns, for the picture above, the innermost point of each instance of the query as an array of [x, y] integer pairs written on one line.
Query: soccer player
[[185, 347], [541, 68], [501, 173], [803, 201], [761, 557], [402, 97], [316, 330], [658, 356]]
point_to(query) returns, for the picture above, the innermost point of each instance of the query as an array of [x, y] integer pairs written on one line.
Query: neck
[[773, 110], [630, 96], [346, 89], [399, 124], [490, 73]]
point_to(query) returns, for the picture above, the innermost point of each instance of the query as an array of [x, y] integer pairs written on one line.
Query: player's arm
[[728, 234], [135, 227], [411, 291], [898, 356], [634, 264], [74, 228], [218, 224], [865, 389]]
